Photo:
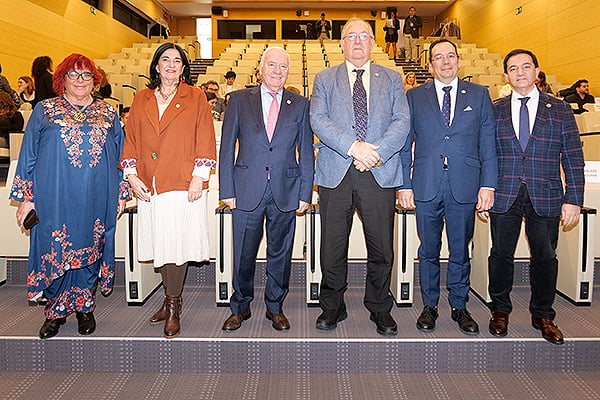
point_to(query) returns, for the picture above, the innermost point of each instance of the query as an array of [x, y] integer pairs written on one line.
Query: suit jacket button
[[267, 168], [270, 149], [154, 156]]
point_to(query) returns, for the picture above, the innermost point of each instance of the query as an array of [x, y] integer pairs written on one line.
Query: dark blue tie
[[524, 123], [446, 104], [359, 103]]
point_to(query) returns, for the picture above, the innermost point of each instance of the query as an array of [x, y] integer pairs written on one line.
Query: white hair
[[264, 54]]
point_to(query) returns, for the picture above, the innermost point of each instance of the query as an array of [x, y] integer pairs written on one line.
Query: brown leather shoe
[[234, 321], [280, 321], [499, 323], [160, 316], [550, 331], [172, 326]]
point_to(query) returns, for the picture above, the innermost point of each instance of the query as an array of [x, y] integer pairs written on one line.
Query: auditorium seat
[[590, 107], [591, 122]]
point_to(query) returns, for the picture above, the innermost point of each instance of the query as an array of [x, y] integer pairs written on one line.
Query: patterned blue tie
[[524, 123], [359, 103], [446, 104]]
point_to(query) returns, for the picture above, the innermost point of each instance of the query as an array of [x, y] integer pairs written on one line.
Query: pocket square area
[[468, 108]]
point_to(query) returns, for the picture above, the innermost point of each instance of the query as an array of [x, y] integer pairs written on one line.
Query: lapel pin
[[376, 73], [463, 91], [177, 105], [548, 105], [288, 101]]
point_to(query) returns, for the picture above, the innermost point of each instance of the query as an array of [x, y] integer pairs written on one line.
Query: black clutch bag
[[30, 220]]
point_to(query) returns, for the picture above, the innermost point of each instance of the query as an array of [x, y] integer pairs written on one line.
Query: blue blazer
[[332, 120], [288, 158], [468, 143], [554, 141]]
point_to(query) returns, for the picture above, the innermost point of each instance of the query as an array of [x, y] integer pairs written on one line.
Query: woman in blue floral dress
[[67, 172]]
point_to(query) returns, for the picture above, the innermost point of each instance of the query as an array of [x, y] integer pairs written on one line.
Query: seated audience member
[[581, 96], [212, 102], [123, 116], [542, 85], [26, 89], [11, 119], [104, 89], [5, 87], [410, 81], [293, 89], [213, 87], [230, 84]]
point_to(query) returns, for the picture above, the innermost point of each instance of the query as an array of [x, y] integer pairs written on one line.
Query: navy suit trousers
[[460, 222], [247, 234]]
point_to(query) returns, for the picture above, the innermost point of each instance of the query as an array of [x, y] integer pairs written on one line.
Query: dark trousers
[[460, 222], [542, 235], [375, 205], [247, 234]]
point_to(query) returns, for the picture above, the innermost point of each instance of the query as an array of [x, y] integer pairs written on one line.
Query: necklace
[[78, 114], [166, 96]]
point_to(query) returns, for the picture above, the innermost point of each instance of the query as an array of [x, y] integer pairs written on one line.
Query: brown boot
[[160, 316], [173, 307]]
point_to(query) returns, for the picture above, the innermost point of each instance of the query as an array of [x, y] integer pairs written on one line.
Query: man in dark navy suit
[[454, 173], [271, 176], [535, 135]]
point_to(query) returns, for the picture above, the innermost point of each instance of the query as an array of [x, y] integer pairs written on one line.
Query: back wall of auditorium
[[562, 33]]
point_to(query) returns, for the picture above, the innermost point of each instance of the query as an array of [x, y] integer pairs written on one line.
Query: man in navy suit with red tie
[[535, 135], [270, 177]]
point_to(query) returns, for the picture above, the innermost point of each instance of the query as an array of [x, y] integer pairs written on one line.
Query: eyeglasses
[[362, 36], [86, 76], [449, 56]]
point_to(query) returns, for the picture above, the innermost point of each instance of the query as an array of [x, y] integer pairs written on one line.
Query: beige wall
[[56, 28], [290, 14], [563, 34]]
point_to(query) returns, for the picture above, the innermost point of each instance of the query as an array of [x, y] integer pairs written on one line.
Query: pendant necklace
[[78, 115]]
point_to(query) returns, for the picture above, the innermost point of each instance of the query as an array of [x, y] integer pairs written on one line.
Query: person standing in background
[[41, 71], [392, 25], [412, 26], [322, 28]]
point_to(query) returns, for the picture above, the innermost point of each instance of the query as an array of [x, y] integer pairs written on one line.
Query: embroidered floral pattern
[[74, 299], [93, 129], [62, 258], [124, 190], [206, 162], [107, 274], [21, 189], [129, 163]]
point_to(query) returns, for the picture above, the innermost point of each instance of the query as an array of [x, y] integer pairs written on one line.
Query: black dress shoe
[[466, 323], [50, 327], [426, 321], [386, 325], [328, 319], [86, 323]]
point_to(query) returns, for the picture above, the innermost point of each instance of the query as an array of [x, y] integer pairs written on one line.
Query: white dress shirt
[[532, 106], [439, 91]]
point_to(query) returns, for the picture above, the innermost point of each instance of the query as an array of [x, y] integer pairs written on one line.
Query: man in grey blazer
[[360, 114]]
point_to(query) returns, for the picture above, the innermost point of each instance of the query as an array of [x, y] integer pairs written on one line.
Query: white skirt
[[173, 230]]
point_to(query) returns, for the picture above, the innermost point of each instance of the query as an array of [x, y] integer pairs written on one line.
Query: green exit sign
[[519, 10]]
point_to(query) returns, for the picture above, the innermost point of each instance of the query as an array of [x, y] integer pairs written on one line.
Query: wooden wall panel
[[30, 30], [562, 34]]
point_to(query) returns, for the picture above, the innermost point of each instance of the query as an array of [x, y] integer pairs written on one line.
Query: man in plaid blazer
[[535, 135]]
